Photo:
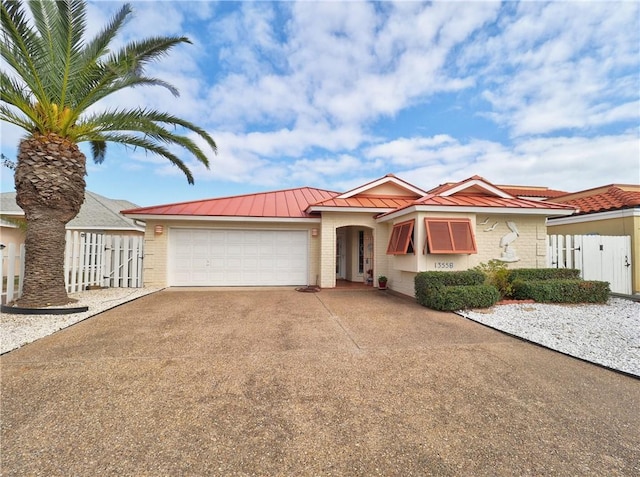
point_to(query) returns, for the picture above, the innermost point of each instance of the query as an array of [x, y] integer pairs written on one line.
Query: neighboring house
[[310, 236], [608, 210], [98, 214]]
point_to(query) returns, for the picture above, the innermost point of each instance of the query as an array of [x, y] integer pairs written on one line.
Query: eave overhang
[[582, 218], [475, 210], [368, 210], [223, 218]]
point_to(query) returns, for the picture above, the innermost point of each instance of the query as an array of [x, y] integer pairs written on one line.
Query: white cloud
[[562, 65], [344, 63], [567, 163], [333, 94]]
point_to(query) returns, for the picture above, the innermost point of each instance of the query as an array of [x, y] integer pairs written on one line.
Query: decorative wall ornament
[[490, 229], [509, 253]]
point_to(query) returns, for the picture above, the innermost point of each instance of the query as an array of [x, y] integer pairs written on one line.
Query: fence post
[[117, 251], [578, 254], [107, 259], [570, 251]]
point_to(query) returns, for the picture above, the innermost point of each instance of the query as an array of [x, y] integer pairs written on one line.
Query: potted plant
[[382, 282]]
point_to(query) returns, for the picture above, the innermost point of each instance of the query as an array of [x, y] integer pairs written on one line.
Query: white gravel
[[607, 334], [18, 330]]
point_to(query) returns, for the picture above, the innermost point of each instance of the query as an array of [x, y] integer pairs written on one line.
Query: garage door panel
[[217, 257]]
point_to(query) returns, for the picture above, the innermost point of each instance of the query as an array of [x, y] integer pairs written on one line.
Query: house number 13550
[[444, 265]]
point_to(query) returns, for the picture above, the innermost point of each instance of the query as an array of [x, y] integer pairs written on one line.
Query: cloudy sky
[[334, 94]]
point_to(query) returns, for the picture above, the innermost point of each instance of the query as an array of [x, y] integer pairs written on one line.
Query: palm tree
[[53, 79]]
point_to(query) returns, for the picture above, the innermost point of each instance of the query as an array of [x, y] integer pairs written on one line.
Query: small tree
[[497, 275]]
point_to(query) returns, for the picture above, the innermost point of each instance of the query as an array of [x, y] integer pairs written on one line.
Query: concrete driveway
[[276, 382]]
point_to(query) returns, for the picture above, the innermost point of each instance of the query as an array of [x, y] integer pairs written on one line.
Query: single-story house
[[309, 236], [612, 209], [98, 214]]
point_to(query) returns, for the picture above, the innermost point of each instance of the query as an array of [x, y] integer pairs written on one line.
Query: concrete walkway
[[276, 382]]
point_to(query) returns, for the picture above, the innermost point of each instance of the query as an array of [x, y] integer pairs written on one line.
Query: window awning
[[450, 236], [401, 241]]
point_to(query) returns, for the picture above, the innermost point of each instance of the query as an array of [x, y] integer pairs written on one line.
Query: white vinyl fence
[[91, 259], [598, 257]]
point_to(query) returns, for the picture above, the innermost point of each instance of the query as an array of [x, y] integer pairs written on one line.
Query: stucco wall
[[156, 245], [629, 225], [530, 247]]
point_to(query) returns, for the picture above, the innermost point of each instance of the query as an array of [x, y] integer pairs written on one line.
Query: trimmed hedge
[[447, 279], [535, 274], [459, 297], [562, 291], [433, 290]]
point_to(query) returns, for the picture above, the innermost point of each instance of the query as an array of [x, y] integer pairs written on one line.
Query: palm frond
[[147, 122], [22, 121], [57, 75], [21, 47], [145, 144], [136, 55], [99, 151], [100, 91]]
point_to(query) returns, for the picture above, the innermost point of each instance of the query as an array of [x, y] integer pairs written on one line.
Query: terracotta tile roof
[[612, 197], [290, 203]]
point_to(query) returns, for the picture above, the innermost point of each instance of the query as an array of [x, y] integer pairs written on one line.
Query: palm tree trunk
[[50, 188], [44, 262]]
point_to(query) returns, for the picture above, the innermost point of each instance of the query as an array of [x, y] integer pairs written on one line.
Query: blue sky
[[335, 94]]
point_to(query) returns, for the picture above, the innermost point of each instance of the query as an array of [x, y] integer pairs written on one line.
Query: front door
[[341, 256]]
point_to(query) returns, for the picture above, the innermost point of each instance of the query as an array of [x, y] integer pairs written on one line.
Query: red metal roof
[[515, 190], [365, 201], [290, 203], [301, 202], [612, 197], [524, 191], [476, 200]]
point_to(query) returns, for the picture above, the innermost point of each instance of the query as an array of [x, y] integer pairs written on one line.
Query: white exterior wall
[[530, 247]]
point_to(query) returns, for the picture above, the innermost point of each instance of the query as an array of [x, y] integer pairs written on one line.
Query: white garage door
[[208, 257]]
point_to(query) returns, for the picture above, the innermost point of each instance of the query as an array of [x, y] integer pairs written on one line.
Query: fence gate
[[598, 257], [91, 259]]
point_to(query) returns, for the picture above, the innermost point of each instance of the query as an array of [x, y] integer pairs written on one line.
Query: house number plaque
[[444, 265]]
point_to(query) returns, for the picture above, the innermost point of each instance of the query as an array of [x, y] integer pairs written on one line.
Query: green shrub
[[425, 280], [531, 274], [497, 274], [459, 297], [562, 291], [432, 279]]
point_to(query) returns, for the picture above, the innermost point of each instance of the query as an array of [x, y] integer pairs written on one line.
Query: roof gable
[[387, 186], [475, 185], [478, 193]]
